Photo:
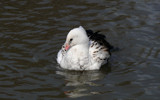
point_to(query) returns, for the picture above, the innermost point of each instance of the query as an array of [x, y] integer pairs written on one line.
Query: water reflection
[[82, 81]]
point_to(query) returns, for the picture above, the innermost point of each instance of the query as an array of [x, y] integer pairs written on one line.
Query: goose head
[[76, 36]]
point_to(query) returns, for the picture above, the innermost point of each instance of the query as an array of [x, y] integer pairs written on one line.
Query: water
[[32, 32]]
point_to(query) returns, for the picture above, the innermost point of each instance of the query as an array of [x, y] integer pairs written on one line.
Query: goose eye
[[71, 39]]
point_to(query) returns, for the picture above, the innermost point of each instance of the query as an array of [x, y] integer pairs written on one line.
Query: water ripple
[[32, 32]]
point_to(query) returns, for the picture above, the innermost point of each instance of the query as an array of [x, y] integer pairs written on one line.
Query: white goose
[[84, 50]]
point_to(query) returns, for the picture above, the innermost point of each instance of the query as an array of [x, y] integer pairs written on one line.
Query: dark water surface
[[32, 32]]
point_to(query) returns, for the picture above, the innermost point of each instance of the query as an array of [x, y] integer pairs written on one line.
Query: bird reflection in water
[[81, 83]]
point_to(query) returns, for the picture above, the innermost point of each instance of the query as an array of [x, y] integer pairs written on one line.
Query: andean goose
[[84, 50]]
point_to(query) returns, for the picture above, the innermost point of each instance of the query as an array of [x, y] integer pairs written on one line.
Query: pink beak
[[67, 47]]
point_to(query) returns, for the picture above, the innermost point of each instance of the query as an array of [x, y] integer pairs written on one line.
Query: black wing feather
[[100, 38]]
